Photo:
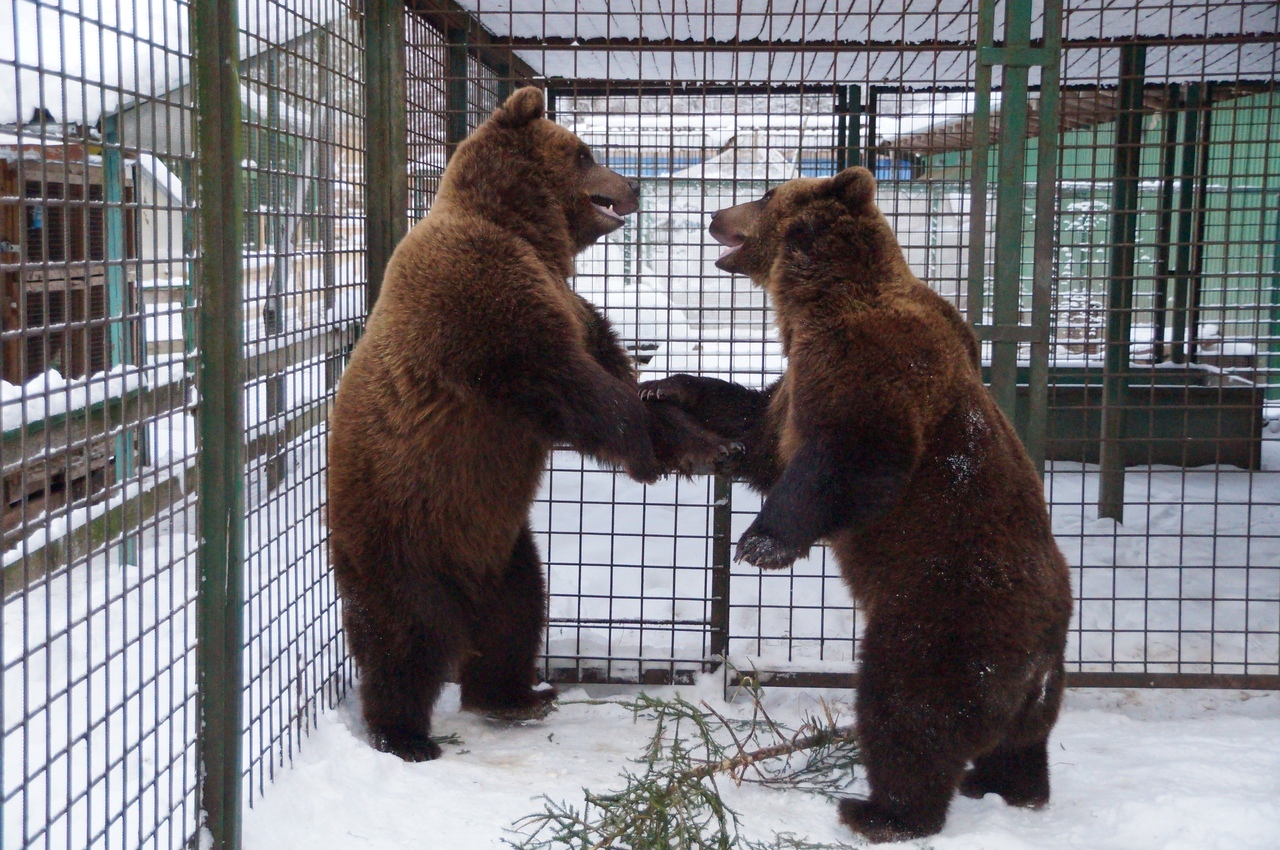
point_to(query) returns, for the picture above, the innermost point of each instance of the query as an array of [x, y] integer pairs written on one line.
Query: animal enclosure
[[190, 247]]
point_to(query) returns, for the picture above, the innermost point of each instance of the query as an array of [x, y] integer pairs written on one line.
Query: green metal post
[[119, 323], [1164, 234], [1201, 220], [853, 151], [1124, 226], [975, 298], [721, 546], [1010, 198], [221, 491], [386, 139], [1186, 223], [870, 111], [1042, 246], [1272, 374], [455, 90], [842, 121]]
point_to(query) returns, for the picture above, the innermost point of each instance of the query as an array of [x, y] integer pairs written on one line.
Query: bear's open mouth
[[731, 242], [604, 206]]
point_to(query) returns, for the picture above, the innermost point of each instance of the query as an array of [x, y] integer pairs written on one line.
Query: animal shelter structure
[[1095, 184]]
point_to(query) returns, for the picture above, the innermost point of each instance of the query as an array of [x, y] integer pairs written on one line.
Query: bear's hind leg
[[498, 677], [401, 672], [1018, 769], [910, 795], [1020, 775]]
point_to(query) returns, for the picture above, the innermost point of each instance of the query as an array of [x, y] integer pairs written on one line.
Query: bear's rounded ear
[[525, 105], [854, 187]]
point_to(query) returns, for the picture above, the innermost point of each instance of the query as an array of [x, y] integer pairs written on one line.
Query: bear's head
[[534, 176], [808, 229]]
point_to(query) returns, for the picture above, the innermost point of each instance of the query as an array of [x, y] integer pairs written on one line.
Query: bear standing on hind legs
[[476, 360], [881, 439]]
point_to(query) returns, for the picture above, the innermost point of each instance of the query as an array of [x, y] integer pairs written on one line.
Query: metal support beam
[[1164, 232], [975, 298], [221, 471], [1006, 291], [721, 547], [386, 162], [455, 89], [1201, 217], [121, 326], [1186, 222], [1005, 331], [1124, 226], [1043, 240], [848, 126]]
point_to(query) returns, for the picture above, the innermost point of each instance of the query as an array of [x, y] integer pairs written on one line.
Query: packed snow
[[1131, 770]]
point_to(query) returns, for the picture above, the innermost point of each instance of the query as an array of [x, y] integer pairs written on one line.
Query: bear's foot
[[407, 746], [1020, 777], [878, 826], [533, 705]]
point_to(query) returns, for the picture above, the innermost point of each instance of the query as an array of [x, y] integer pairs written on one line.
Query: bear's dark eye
[[584, 157], [768, 196]]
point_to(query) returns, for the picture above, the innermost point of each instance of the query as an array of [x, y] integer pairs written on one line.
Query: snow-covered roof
[[82, 58], [806, 40]]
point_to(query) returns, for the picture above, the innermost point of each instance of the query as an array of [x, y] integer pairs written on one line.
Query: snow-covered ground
[[1131, 770]]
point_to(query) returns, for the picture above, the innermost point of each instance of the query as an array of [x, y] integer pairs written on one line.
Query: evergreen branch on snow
[[673, 801]]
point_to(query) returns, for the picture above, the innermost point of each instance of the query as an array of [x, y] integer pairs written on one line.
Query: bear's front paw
[[409, 747], [680, 390], [765, 551]]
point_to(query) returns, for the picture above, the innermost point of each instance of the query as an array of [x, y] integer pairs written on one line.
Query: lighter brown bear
[[475, 361], [881, 440]]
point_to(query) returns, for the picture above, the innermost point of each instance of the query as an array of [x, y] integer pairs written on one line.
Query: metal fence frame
[[429, 73]]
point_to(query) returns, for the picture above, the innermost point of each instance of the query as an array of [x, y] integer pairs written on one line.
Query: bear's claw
[[768, 553]]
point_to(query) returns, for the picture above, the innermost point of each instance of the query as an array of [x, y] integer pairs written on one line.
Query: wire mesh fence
[[1168, 391], [1131, 325], [99, 708]]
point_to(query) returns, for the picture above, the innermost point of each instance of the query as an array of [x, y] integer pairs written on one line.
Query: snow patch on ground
[[1131, 770]]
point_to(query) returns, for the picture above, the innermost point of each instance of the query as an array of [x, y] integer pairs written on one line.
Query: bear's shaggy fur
[[476, 359], [882, 440]]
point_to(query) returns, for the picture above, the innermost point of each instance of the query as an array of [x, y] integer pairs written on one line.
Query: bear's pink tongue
[[607, 211], [728, 249]]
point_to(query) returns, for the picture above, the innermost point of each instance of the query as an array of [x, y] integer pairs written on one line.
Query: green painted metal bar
[[853, 152], [1124, 227], [220, 606], [386, 135], [1186, 215], [119, 324], [1046, 219], [1272, 374], [721, 548], [842, 128], [455, 89], [975, 297], [1006, 290], [873, 96], [1200, 219], [1164, 229]]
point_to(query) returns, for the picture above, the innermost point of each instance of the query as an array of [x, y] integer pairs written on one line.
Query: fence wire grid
[[1096, 187]]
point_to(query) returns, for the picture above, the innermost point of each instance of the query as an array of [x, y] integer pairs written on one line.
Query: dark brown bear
[[476, 359], [881, 440]]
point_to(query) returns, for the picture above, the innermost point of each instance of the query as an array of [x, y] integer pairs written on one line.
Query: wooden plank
[[55, 434], [174, 492], [265, 363]]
